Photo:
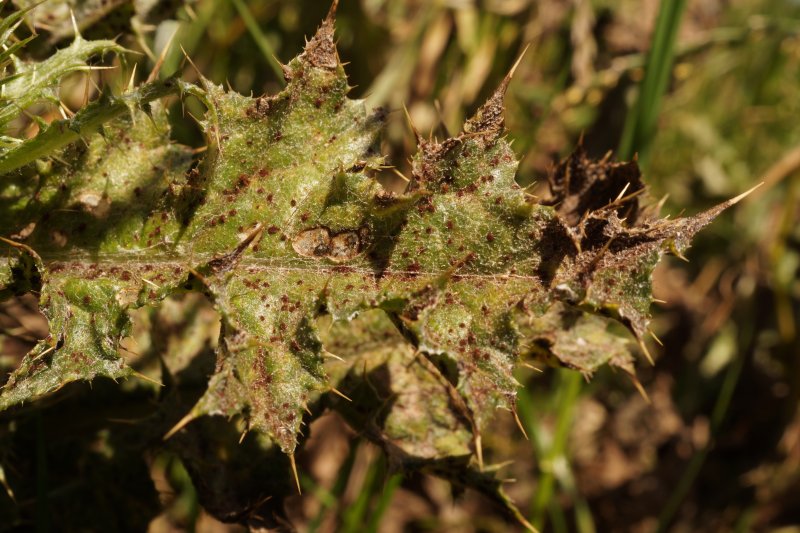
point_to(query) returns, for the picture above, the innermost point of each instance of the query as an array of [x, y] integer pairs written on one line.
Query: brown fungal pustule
[[344, 246], [314, 242], [319, 242]]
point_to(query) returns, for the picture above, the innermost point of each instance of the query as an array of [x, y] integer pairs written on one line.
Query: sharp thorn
[[294, 471], [189, 59], [646, 352], [528, 365], [655, 337], [340, 393], [161, 58], [47, 351], [132, 80], [518, 61], [180, 425], [519, 424], [86, 89], [332, 355], [400, 175], [411, 123], [622, 193], [146, 378], [640, 388], [75, 28], [479, 451], [661, 202], [742, 196]]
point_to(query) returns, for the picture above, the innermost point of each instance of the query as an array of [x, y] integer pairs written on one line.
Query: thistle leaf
[[282, 223]]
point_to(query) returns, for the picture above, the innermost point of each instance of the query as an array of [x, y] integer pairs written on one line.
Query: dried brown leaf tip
[[684, 229], [433, 167], [580, 185], [321, 49], [490, 117]]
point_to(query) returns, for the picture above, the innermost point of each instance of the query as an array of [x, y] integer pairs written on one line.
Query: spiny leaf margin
[[282, 222]]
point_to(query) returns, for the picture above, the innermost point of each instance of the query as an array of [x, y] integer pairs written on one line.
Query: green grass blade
[[568, 387], [384, 500], [353, 516], [261, 40], [333, 496], [640, 124]]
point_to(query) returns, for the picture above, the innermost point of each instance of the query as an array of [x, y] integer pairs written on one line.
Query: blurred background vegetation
[[705, 92]]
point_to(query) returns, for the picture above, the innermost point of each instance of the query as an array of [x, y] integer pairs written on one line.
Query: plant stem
[[86, 121]]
